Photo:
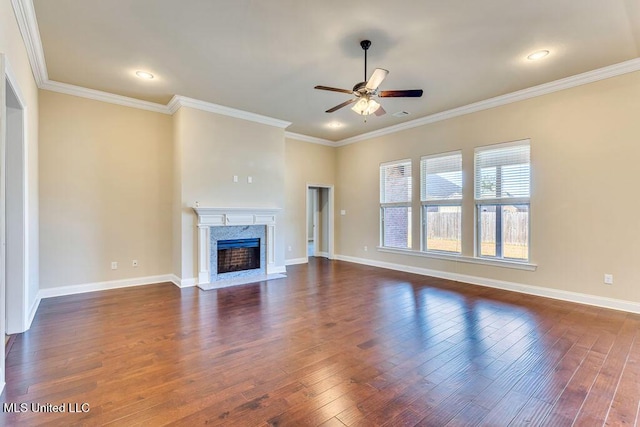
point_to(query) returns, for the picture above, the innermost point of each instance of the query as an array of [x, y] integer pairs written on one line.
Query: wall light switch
[[249, 179], [343, 212], [235, 178]]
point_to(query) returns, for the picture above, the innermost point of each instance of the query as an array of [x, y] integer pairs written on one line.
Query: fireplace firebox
[[238, 255]]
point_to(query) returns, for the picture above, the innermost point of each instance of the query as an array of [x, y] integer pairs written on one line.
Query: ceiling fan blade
[[333, 89], [380, 111], [414, 93], [339, 106], [376, 78]]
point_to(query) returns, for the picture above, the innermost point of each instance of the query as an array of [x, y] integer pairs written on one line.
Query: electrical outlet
[[134, 263], [366, 248], [249, 180], [608, 279], [289, 248], [235, 178], [114, 265]]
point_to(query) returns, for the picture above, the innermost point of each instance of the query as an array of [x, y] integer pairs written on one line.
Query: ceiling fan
[[367, 90]]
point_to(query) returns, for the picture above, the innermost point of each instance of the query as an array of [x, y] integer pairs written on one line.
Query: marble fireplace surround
[[231, 217]]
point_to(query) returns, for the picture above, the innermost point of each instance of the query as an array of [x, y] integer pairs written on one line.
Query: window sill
[[461, 258]]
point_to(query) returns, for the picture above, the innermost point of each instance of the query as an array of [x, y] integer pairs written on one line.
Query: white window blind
[[441, 177], [395, 182], [503, 172]]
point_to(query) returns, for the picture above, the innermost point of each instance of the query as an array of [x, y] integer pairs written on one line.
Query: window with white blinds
[[395, 182], [395, 204], [502, 183], [441, 197], [441, 177], [503, 171]]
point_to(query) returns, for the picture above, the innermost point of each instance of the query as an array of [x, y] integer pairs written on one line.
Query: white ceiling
[[265, 57]]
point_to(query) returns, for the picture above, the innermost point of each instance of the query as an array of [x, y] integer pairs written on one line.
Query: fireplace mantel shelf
[[212, 211], [236, 216]]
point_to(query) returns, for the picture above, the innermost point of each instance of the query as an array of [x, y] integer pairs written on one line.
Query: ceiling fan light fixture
[[365, 106]]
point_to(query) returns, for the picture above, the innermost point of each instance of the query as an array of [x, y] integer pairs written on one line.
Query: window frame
[[424, 204], [500, 202], [408, 203]]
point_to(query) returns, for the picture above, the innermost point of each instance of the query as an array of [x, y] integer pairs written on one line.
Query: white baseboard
[[102, 286], [278, 269], [295, 261], [33, 310], [323, 254], [615, 304], [185, 283]]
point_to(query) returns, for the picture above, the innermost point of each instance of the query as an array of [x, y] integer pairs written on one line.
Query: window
[[502, 191], [441, 197], [395, 204]]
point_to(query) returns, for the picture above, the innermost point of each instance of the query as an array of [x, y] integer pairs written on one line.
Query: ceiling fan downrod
[[365, 44]]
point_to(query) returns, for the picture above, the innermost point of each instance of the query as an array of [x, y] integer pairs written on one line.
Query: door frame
[[15, 292], [315, 192], [3, 132]]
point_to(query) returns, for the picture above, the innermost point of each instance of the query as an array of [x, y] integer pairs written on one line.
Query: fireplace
[[216, 226], [238, 255]]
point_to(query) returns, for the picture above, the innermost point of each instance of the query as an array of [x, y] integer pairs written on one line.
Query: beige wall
[[12, 47], [306, 163], [213, 148], [584, 151], [105, 191]]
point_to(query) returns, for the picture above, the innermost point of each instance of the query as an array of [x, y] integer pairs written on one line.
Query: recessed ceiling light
[[538, 55], [144, 75], [400, 114], [334, 125]]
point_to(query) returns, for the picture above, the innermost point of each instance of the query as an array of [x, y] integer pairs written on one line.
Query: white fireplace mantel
[[221, 217]]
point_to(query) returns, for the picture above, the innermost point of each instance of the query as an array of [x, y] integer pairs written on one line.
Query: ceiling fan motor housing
[[360, 89]]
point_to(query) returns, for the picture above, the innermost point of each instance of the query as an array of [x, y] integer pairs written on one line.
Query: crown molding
[[98, 95], [174, 104], [307, 138], [179, 101], [521, 95], [28, 25]]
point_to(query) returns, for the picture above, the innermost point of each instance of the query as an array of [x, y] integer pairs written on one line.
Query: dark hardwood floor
[[333, 344]]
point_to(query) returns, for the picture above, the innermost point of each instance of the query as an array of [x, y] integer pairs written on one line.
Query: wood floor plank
[[332, 344]]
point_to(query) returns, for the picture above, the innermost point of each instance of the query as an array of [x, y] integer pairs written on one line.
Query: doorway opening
[[15, 212], [319, 230]]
